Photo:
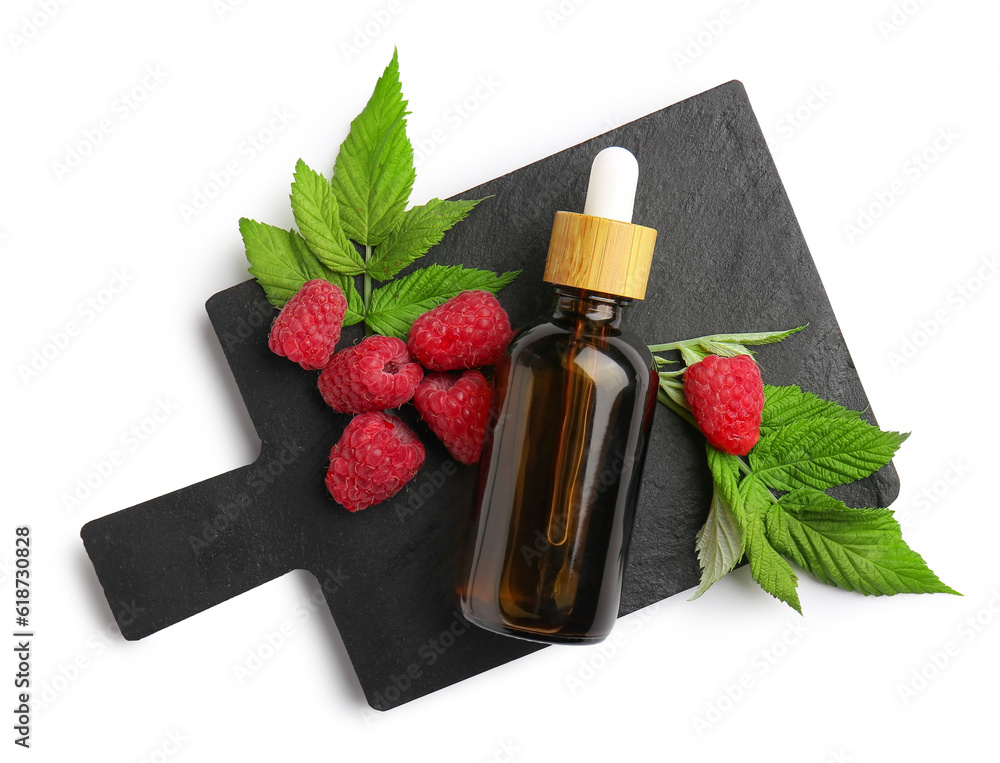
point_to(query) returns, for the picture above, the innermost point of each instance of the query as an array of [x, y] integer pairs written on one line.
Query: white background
[[882, 106]]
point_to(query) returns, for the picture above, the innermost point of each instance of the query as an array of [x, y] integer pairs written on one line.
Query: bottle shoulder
[[545, 334]]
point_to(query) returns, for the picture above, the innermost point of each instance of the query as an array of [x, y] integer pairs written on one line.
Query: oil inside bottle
[[559, 475]]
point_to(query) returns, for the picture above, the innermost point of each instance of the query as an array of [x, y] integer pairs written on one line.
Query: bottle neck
[[603, 309]]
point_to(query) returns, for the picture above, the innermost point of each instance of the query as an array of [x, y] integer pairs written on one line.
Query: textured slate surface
[[730, 257]]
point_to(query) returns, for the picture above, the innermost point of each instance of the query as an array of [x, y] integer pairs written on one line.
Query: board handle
[[177, 555]]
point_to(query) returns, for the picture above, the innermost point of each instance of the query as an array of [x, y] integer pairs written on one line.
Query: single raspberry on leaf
[[456, 409], [308, 326], [373, 375], [375, 456], [469, 330], [726, 397]]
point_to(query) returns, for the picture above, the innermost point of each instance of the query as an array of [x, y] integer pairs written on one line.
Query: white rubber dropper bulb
[[614, 176]]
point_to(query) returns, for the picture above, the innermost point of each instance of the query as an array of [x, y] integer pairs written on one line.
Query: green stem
[[367, 290], [685, 414]]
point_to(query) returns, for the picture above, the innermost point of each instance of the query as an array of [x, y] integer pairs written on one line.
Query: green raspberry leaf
[[355, 305], [396, 305], [767, 566], [373, 173], [725, 349], [856, 549], [281, 262], [418, 229], [692, 354], [760, 337], [675, 391], [278, 263], [318, 217], [700, 343], [725, 470], [809, 442], [719, 542], [783, 405]]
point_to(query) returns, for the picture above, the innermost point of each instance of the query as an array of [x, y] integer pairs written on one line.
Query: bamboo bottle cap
[[601, 250]]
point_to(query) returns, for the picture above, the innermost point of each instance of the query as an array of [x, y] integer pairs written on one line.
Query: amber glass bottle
[[573, 402]]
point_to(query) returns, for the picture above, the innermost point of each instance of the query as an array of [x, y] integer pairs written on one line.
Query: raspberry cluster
[[377, 454]]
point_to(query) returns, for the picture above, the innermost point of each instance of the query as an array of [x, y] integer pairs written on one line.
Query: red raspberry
[[376, 374], [726, 397], [468, 330], [456, 408], [375, 456], [308, 326]]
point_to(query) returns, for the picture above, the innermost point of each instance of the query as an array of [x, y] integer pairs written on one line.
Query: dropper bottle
[[573, 401]]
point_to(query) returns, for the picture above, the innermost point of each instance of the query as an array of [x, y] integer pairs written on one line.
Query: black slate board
[[730, 257]]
